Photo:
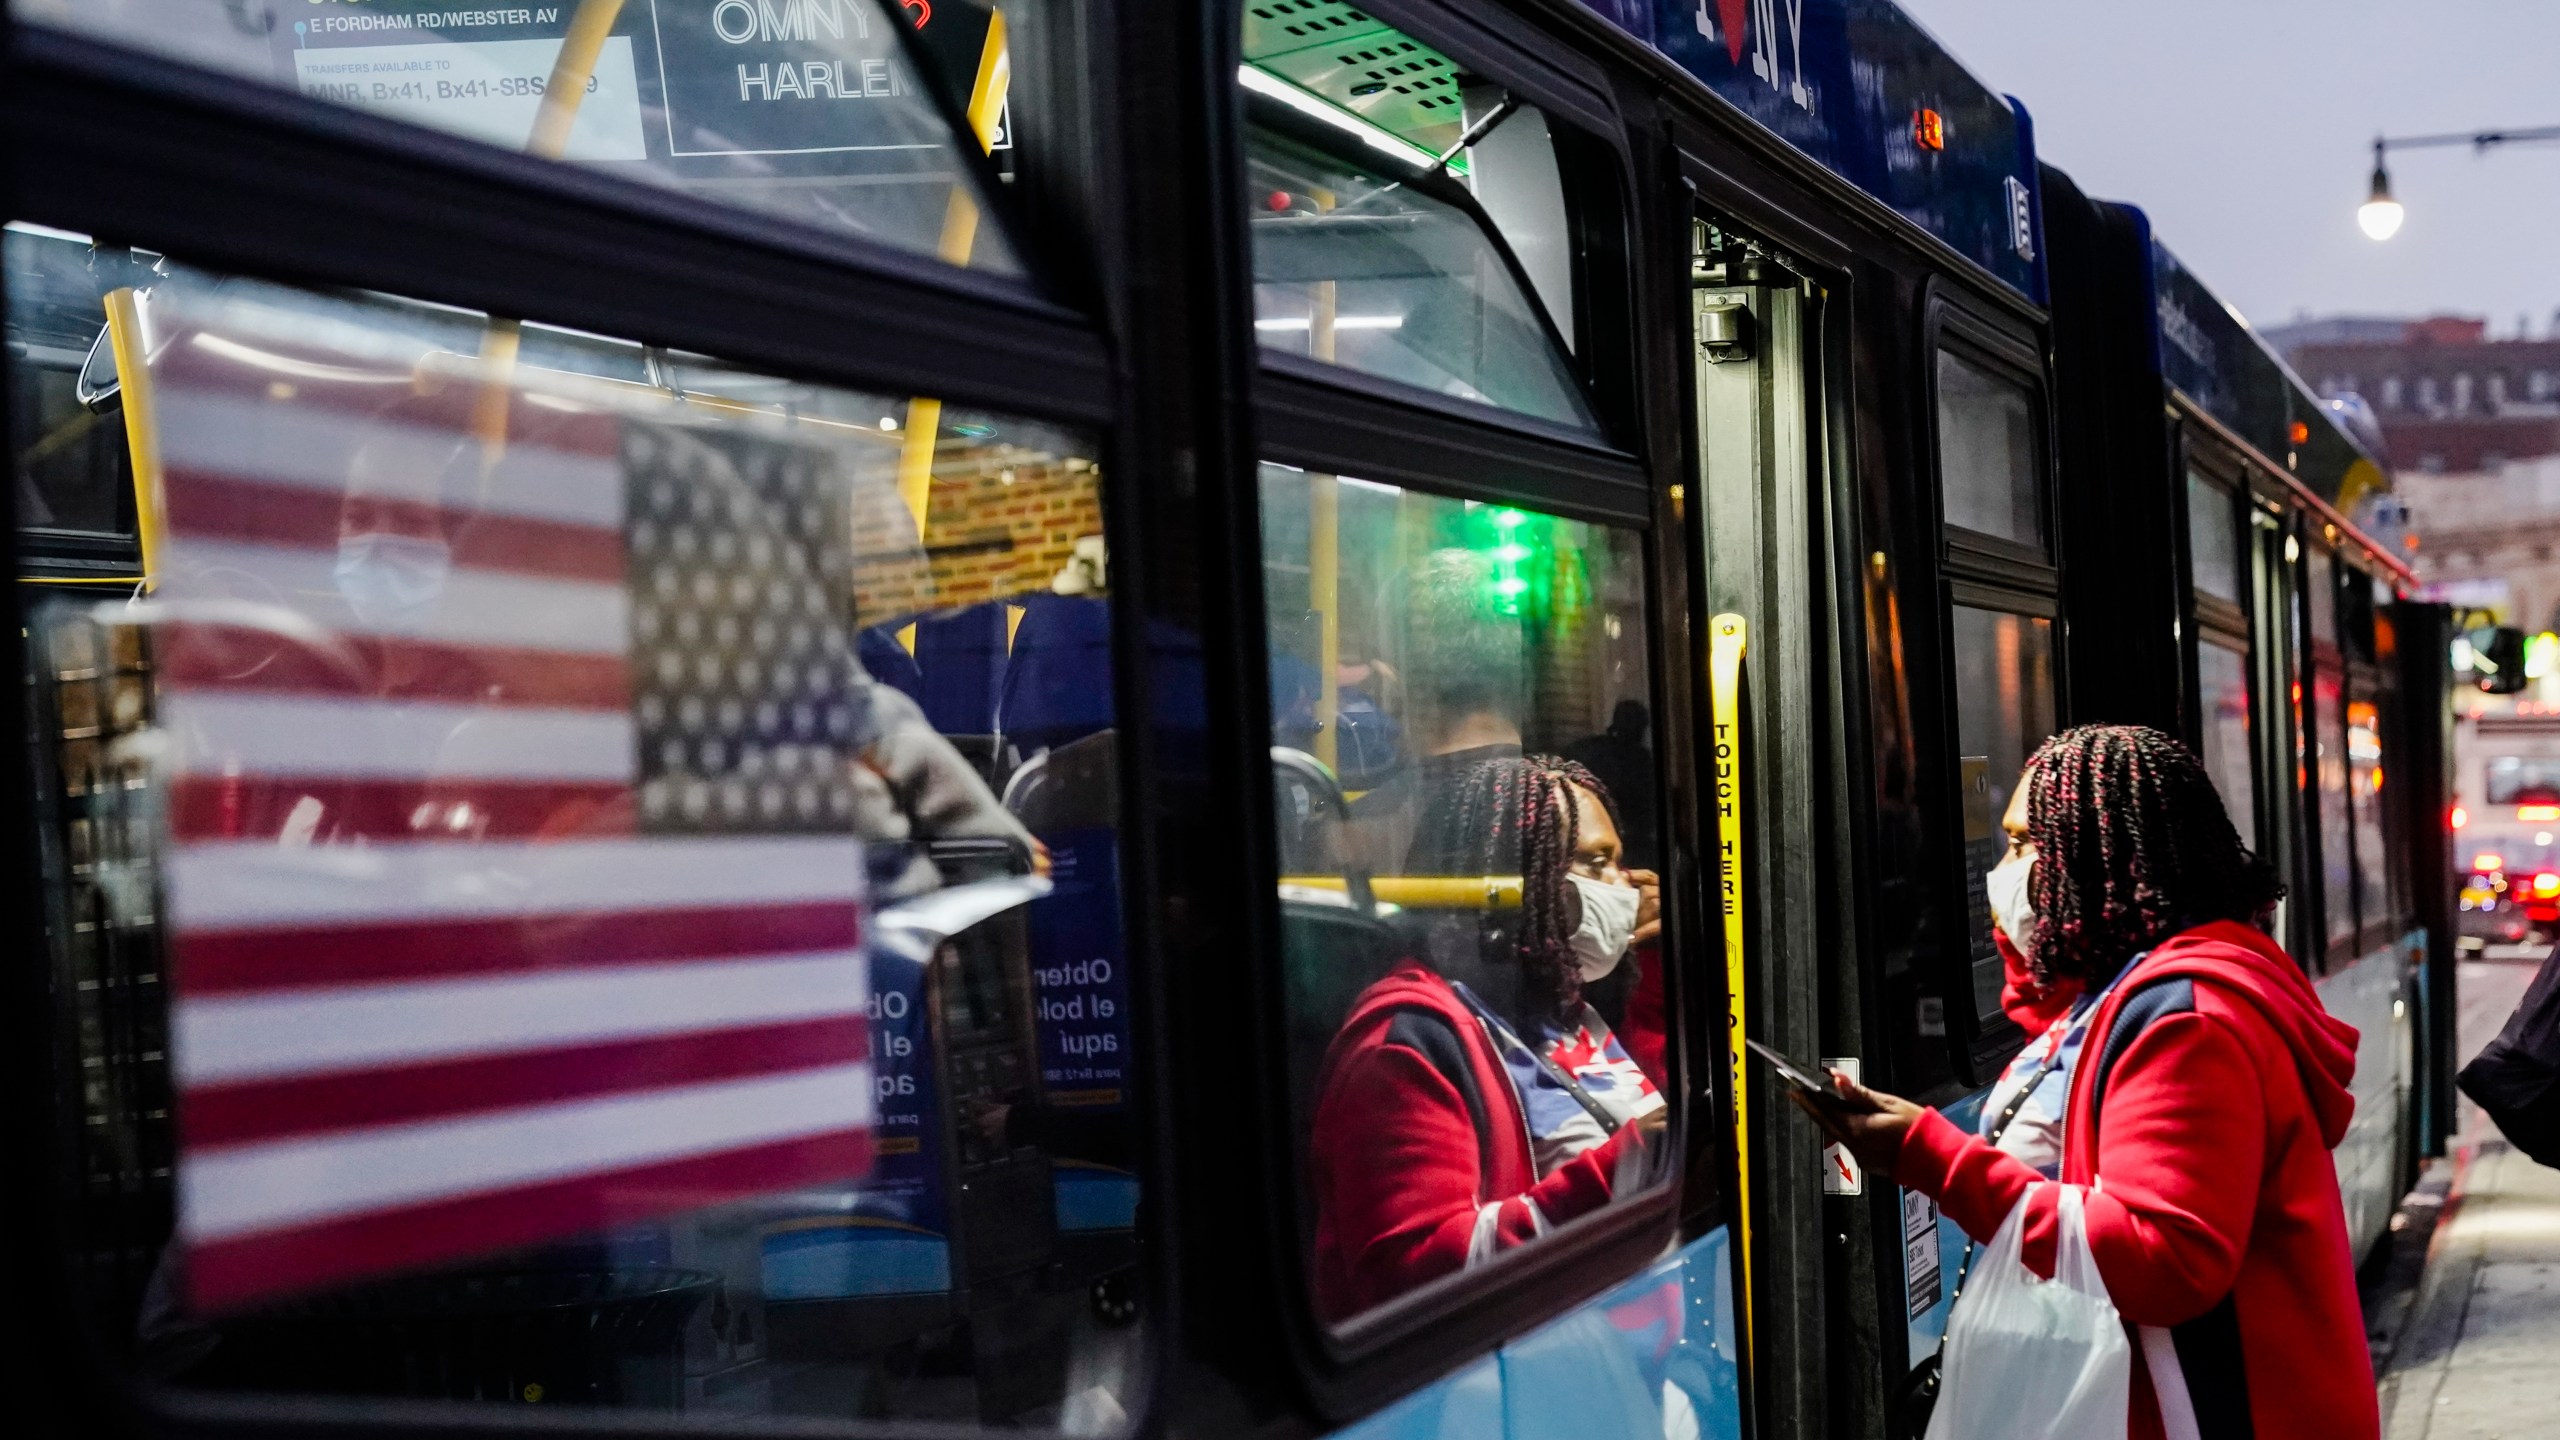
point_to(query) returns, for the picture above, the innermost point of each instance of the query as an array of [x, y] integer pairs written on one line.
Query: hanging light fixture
[[2380, 215]]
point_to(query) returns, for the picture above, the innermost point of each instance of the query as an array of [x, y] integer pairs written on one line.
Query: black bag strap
[[1991, 1137], [2018, 1102]]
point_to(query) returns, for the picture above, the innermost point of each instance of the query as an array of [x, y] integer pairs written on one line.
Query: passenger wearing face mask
[[2197, 1119], [1475, 1099], [2023, 1113]]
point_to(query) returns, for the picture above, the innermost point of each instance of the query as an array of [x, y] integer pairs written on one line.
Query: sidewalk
[[2478, 1354]]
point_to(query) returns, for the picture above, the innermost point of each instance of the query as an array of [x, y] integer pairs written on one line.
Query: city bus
[[729, 705]]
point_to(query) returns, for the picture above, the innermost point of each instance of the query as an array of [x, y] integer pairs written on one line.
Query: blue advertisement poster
[[896, 1239], [1080, 998]]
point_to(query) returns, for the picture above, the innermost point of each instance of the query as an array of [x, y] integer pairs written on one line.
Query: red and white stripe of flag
[[435, 996]]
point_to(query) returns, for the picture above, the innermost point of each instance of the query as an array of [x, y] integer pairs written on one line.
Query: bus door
[[2277, 555], [1760, 523]]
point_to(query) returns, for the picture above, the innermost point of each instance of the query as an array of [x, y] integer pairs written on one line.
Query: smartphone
[[1796, 1076]]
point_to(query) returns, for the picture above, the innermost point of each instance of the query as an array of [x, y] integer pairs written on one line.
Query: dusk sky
[[2243, 127]]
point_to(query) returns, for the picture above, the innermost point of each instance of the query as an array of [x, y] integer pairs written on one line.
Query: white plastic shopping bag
[[2033, 1359]]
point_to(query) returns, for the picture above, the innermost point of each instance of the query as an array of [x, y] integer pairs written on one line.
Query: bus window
[[1987, 453], [74, 487], [2213, 542], [1461, 751], [1372, 254], [2329, 770], [2320, 594], [2222, 674], [809, 110], [2522, 780], [635, 866], [2004, 688], [2364, 783]]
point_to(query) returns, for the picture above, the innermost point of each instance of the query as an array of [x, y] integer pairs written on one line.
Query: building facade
[[2471, 426]]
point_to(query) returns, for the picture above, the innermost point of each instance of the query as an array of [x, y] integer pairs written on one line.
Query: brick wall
[[1000, 522]]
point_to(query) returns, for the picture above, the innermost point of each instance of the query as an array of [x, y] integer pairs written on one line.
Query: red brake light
[[2539, 813], [2460, 817], [2488, 863]]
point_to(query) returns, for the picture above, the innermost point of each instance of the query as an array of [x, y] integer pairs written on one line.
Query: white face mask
[[2006, 886], [391, 579], [1608, 923]]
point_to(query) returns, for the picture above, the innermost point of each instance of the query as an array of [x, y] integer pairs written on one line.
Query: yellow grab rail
[[141, 423], [1727, 637], [1424, 892]]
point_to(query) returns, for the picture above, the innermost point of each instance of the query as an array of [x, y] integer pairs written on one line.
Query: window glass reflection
[[1464, 775], [1392, 270], [812, 110], [1987, 452], [68, 469], [2223, 698], [2337, 837], [2213, 543], [576, 887], [2003, 679], [2320, 593], [2364, 784], [2523, 780]]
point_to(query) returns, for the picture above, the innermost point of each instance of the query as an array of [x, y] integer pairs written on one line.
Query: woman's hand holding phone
[[1870, 1123]]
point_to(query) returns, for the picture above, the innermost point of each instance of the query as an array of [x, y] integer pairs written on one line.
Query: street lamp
[[2380, 215]]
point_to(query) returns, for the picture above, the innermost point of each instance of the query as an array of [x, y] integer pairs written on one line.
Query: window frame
[[1950, 327], [65, 552], [1982, 572], [2318, 659], [2213, 619], [2368, 682], [246, 178], [1264, 113], [1599, 197], [1337, 420], [237, 175]]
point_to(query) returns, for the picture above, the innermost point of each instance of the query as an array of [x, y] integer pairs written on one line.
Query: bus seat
[[1057, 683]]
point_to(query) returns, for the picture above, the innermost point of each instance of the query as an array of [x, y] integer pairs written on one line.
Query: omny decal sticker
[[782, 77]]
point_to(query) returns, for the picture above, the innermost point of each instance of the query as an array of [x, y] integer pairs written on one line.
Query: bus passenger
[[1473, 1100], [2209, 1090], [1466, 680]]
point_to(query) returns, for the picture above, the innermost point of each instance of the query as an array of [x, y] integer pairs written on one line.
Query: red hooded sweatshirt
[[1420, 1154], [2211, 1201]]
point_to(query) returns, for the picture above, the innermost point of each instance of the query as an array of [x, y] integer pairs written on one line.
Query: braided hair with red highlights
[[1517, 813], [2133, 845]]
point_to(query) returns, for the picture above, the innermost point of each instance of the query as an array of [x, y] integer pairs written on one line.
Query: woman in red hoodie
[[2208, 1091], [1473, 1099]]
